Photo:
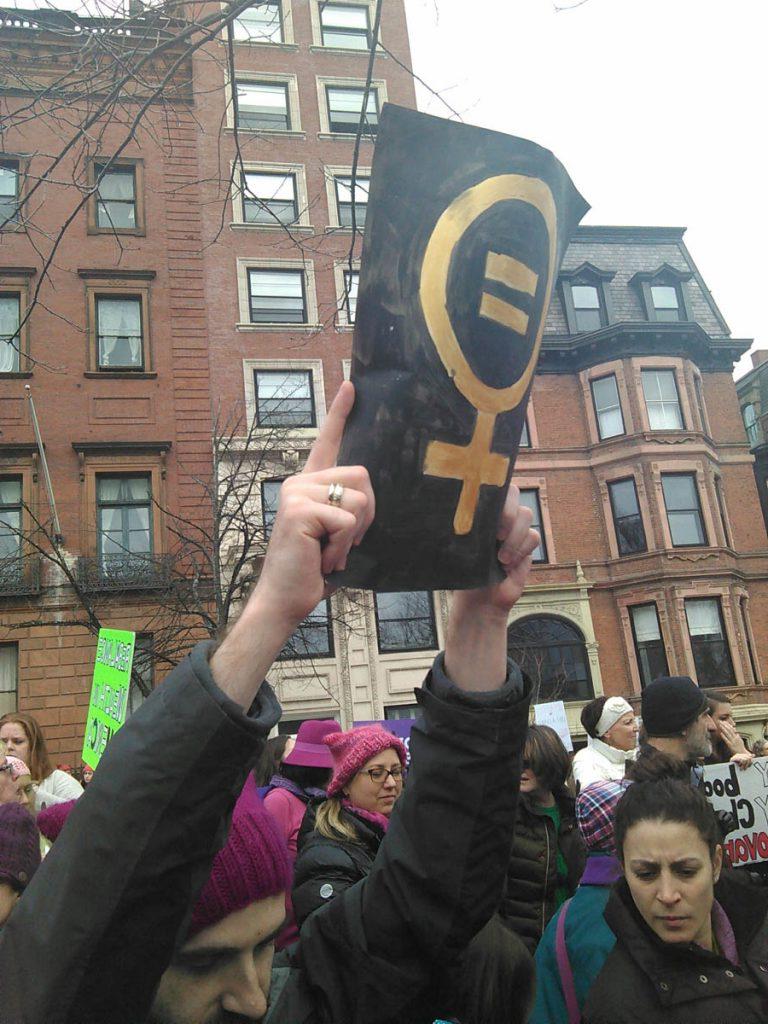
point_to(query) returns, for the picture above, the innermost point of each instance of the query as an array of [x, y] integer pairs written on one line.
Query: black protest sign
[[465, 231]]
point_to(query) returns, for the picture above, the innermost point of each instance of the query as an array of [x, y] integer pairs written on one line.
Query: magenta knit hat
[[51, 819], [19, 846], [253, 865], [350, 750], [309, 751]]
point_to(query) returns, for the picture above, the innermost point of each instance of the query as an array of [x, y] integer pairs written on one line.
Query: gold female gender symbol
[[475, 464]]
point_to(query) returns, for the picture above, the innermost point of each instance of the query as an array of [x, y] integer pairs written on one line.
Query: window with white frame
[[345, 26], [119, 332], [124, 522], [284, 398], [662, 400], [530, 498], [261, 23], [276, 296], [406, 621], [343, 186], [351, 284], [116, 197], [345, 102], [605, 397], [681, 497], [10, 342], [270, 497], [11, 510], [269, 198], [262, 106], [709, 643], [649, 644], [9, 678]]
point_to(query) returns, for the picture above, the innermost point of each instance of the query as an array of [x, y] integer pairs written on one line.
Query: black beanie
[[670, 704]]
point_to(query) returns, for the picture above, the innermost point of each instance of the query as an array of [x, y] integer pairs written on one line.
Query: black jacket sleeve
[[323, 871], [439, 872], [90, 938]]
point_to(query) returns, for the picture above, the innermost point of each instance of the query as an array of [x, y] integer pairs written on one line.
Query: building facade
[[205, 289], [752, 390]]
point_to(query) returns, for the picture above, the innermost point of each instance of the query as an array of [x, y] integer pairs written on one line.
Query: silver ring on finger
[[335, 494]]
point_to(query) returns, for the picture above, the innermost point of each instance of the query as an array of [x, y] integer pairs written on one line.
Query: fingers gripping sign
[[323, 511]]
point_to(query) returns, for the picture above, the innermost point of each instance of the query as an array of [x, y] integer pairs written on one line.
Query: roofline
[[626, 233]]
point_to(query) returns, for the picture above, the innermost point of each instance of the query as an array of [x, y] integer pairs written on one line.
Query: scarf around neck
[[280, 782]]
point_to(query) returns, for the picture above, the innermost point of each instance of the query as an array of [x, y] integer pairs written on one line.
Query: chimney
[[759, 357]]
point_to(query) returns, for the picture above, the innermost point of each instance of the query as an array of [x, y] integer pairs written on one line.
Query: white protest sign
[[744, 794], [553, 714]]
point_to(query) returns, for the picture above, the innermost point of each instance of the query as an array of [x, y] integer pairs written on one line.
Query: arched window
[[552, 652]]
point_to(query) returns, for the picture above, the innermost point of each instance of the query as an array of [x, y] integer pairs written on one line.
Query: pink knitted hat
[[18, 768], [350, 750], [51, 819], [253, 865]]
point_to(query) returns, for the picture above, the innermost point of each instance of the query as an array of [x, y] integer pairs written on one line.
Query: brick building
[[228, 250]]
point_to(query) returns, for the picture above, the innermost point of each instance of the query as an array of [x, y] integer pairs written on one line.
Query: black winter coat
[[326, 867], [532, 880], [95, 929], [645, 979]]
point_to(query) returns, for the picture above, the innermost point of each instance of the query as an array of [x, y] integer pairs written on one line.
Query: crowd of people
[[210, 875]]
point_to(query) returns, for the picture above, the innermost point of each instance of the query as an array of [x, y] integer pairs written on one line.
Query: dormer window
[[586, 298], [666, 302], [664, 295]]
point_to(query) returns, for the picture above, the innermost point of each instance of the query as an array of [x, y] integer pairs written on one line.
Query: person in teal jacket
[[588, 939]]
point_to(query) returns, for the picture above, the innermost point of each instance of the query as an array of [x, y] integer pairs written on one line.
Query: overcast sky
[[657, 108]]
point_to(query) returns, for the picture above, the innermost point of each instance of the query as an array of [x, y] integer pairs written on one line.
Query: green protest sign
[[109, 692]]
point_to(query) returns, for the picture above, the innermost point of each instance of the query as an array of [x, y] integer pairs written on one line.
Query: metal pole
[[57, 536]]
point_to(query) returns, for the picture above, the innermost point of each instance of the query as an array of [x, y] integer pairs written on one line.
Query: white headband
[[613, 709]]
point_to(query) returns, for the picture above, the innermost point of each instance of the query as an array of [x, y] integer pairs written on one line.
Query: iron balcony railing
[[19, 576], [124, 572]]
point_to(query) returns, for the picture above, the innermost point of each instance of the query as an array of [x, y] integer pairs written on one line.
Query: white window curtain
[[119, 332], [9, 677], [703, 618], [646, 624], [117, 185], [9, 326]]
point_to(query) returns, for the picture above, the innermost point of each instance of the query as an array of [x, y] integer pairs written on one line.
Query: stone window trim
[[302, 196], [587, 274], [678, 366], [289, 41], [118, 459], [332, 172], [664, 275], [539, 483], [748, 649], [626, 601], [698, 471], [614, 475], [340, 268], [244, 264], [137, 164], [317, 32], [16, 281], [269, 78], [21, 161], [616, 367], [313, 366], [723, 595], [117, 284], [377, 84]]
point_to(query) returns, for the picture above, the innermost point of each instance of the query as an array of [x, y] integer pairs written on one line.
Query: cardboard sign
[[553, 714], [465, 231], [400, 727], [744, 794], [109, 691]]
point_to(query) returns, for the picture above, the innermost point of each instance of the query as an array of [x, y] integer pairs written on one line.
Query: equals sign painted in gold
[[514, 274]]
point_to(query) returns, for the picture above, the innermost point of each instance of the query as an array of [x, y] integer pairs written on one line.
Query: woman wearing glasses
[[341, 835]]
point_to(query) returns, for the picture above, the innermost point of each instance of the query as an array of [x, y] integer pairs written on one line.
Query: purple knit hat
[[253, 865], [51, 819], [595, 810], [309, 751], [350, 751], [19, 846]]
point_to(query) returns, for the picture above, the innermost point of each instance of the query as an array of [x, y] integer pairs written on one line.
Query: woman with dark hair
[[611, 729], [302, 776], [24, 739], [691, 947], [548, 853], [275, 749]]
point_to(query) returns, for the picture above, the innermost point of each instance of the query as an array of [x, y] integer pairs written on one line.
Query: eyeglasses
[[380, 774]]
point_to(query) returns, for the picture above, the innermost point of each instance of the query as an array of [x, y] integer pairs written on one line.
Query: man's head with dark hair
[[677, 719]]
